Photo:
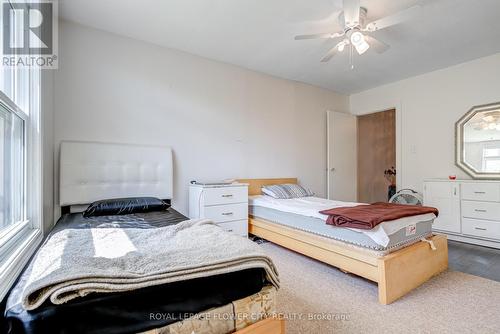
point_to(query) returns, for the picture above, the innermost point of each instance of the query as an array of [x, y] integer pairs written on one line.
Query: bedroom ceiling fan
[[356, 33]]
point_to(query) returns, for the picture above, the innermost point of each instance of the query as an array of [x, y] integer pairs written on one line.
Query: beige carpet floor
[[452, 302]]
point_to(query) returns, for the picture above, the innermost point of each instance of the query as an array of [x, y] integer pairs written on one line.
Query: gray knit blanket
[[76, 262]]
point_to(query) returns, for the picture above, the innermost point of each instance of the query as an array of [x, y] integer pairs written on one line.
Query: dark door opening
[[376, 154]]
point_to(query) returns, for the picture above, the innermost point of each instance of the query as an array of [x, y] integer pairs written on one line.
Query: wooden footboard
[[404, 270]]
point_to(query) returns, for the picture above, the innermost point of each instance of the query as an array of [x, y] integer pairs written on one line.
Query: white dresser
[[226, 205], [469, 210]]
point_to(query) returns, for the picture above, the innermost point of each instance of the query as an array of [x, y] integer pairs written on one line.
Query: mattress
[[130, 312], [400, 238], [311, 207]]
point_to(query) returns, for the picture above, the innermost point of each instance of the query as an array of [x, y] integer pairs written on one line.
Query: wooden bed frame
[[266, 326], [396, 273]]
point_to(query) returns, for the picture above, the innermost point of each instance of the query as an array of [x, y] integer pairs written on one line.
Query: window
[[20, 168], [491, 159], [12, 168]]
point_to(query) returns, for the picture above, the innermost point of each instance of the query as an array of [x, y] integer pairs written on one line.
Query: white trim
[[17, 259], [8, 233], [4, 99], [328, 162], [34, 175], [459, 180]]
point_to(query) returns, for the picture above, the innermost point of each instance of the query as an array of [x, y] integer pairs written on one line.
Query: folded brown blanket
[[367, 217]]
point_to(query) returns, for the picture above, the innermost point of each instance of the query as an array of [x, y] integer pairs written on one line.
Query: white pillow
[[286, 191]]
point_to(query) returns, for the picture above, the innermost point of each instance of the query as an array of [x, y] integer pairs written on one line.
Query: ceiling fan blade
[[333, 51], [322, 35], [394, 19], [351, 12], [378, 46]]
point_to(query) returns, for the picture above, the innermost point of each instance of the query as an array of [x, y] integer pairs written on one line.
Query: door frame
[[328, 162], [397, 106]]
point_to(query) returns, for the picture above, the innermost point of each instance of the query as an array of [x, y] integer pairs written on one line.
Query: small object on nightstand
[[224, 204], [211, 183]]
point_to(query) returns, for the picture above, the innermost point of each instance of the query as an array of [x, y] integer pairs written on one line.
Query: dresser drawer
[[481, 192], [481, 210], [227, 212], [225, 195], [481, 228], [239, 227]]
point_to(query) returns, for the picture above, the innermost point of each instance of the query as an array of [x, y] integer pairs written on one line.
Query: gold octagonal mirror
[[478, 142]]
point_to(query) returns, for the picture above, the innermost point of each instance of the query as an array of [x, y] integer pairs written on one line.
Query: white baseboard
[[471, 240]]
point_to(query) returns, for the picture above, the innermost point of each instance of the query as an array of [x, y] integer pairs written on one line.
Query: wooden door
[[376, 153]]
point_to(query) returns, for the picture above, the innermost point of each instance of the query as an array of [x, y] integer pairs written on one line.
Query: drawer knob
[[230, 230], [227, 213], [479, 210], [479, 192], [480, 228], [227, 195]]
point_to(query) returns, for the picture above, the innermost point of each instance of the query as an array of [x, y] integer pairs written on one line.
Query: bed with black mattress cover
[[132, 311]]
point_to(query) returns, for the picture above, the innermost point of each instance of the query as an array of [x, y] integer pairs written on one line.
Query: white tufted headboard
[[94, 171]]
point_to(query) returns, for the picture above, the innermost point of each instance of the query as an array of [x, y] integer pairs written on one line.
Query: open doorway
[[376, 154]]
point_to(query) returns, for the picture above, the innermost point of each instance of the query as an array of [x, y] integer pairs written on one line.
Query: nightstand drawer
[[489, 192], [225, 195], [228, 212], [481, 228], [239, 227], [481, 210]]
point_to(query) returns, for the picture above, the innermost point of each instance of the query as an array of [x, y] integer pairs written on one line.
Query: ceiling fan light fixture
[[359, 42], [357, 38], [362, 48]]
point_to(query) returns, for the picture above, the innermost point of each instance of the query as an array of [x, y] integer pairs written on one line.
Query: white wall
[[430, 105], [222, 121]]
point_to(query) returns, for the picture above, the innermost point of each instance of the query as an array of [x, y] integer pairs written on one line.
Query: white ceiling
[[258, 34]]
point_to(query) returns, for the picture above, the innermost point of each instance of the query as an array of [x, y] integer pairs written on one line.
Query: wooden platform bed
[[396, 273], [265, 326]]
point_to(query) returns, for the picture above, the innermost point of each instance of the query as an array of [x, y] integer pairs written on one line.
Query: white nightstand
[[226, 205]]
